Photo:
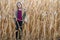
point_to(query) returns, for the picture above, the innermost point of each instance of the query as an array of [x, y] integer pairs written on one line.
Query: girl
[[18, 18]]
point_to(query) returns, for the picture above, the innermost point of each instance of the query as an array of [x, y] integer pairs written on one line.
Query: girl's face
[[19, 5]]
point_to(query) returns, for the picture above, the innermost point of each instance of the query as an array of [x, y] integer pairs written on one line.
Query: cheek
[[19, 6]]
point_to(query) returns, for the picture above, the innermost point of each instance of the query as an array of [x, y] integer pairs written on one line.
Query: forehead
[[19, 3]]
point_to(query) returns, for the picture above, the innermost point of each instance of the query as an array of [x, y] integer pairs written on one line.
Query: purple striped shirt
[[19, 15]]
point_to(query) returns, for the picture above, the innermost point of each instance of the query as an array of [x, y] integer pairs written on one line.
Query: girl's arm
[[25, 16], [15, 15]]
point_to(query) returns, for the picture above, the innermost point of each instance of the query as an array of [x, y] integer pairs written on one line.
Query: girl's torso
[[19, 15]]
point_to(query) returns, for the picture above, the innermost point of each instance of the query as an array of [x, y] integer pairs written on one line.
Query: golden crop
[[43, 22]]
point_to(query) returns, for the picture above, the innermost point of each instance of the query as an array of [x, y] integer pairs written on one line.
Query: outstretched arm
[[25, 16]]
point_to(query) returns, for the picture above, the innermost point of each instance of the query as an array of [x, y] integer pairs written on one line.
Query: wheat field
[[43, 21]]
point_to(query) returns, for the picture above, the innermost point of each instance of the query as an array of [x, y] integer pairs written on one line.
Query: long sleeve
[[24, 15], [15, 15]]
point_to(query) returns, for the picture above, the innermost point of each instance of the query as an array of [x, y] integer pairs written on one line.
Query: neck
[[19, 9]]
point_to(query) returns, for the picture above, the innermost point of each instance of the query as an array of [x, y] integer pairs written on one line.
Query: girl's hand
[[26, 20], [16, 19]]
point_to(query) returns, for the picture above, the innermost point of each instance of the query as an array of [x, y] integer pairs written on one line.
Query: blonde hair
[[19, 3]]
